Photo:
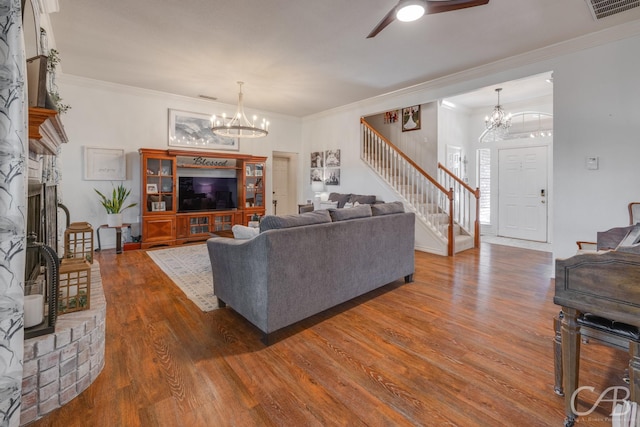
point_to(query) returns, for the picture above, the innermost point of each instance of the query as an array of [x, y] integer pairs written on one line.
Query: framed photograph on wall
[[193, 130], [332, 158], [104, 164], [411, 118], [391, 116], [317, 174], [317, 159], [332, 176]]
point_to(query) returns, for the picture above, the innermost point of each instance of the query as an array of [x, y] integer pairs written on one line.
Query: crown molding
[[550, 52]]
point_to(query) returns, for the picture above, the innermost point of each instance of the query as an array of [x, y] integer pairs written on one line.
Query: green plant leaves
[[115, 203]]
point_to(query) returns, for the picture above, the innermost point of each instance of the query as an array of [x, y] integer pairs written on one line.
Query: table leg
[[98, 235], [634, 371], [118, 240], [557, 354], [570, 360]]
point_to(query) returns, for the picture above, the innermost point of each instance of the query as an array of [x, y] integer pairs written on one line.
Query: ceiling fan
[[410, 10]]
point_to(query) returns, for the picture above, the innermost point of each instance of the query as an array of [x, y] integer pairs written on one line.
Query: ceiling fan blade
[[437, 6], [388, 19], [433, 6]]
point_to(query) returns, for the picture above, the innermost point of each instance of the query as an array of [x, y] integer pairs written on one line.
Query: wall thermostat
[[592, 163]]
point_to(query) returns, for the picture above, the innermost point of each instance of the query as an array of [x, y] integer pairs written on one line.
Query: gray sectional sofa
[[301, 265]]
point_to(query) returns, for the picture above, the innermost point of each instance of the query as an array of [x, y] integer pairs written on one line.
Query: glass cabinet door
[[254, 185], [159, 185], [199, 224]]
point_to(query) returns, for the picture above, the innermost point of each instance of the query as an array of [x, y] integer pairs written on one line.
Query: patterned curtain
[[13, 149]]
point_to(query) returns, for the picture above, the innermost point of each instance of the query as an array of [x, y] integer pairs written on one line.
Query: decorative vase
[[114, 220]]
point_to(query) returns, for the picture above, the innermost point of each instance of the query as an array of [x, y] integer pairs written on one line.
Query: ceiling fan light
[[408, 11]]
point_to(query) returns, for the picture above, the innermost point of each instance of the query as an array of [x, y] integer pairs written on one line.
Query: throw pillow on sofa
[[242, 232], [340, 198], [363, 200], [328, 205], [272, 222]]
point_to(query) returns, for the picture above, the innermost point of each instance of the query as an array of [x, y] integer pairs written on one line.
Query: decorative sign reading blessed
[[207, 162]]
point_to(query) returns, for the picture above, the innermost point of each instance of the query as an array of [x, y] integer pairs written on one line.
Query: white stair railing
[[430, 200], [466, 202]]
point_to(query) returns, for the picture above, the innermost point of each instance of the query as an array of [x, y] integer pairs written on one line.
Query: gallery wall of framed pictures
[[325, 167]]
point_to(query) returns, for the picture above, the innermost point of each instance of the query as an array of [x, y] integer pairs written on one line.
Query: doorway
[[284, 183], [522, 193]]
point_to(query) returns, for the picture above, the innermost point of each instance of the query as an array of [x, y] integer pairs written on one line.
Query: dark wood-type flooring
[[469, 343]]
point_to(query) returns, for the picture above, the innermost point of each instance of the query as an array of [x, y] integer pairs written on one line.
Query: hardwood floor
[[469, 343]]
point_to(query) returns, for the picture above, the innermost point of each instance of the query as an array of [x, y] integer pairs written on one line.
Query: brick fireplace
[[60, 366]]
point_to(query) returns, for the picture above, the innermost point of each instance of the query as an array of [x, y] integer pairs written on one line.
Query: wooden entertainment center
[[187, 195]]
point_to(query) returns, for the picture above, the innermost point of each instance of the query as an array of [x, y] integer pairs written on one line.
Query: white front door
[[522, 193]]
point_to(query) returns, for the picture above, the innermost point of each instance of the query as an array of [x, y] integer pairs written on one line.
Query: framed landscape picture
[[193, 130]]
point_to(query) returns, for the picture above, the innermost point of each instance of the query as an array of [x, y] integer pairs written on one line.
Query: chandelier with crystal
[[239, 126], [498, 120]]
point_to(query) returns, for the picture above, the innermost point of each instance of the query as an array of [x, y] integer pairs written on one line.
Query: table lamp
[[317, 187]]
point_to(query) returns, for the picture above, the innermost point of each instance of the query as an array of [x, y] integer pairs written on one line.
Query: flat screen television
[[207, 193]]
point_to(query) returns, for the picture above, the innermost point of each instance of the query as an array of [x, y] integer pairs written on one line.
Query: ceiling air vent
[[603, 8]]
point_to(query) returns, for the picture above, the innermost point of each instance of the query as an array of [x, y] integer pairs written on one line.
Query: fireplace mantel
[[46, 132]]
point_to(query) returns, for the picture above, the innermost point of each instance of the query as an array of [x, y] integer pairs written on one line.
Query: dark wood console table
[[118, 236]]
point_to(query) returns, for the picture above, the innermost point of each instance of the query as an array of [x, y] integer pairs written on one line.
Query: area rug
[[190, 269]]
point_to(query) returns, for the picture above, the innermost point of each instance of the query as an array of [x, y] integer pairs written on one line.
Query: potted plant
[[114, 204]]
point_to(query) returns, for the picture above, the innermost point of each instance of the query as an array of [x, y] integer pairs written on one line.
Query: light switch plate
[[592, 163]]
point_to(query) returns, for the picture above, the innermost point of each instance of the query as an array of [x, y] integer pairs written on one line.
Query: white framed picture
[[152, 188], [193, 130], [104, 164], [158, 207]]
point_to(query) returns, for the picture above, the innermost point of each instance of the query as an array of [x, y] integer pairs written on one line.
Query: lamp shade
[[317, 186]]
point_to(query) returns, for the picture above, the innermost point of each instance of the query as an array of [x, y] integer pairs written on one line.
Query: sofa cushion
[[363, 200], [387, 208], [244, 232], [271, 222], [360, 211], [340, 198]]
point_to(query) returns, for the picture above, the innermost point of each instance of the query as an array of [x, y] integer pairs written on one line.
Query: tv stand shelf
[[207, 177], [192, 227]]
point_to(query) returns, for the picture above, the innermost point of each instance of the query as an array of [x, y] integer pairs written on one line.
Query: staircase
[[447, 208]]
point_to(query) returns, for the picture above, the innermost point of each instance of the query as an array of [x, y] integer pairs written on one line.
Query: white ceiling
[[300, 57]]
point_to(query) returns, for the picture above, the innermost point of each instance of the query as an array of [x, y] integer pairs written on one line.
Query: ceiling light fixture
[[410, 10], [239, 125], [498, 121]]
